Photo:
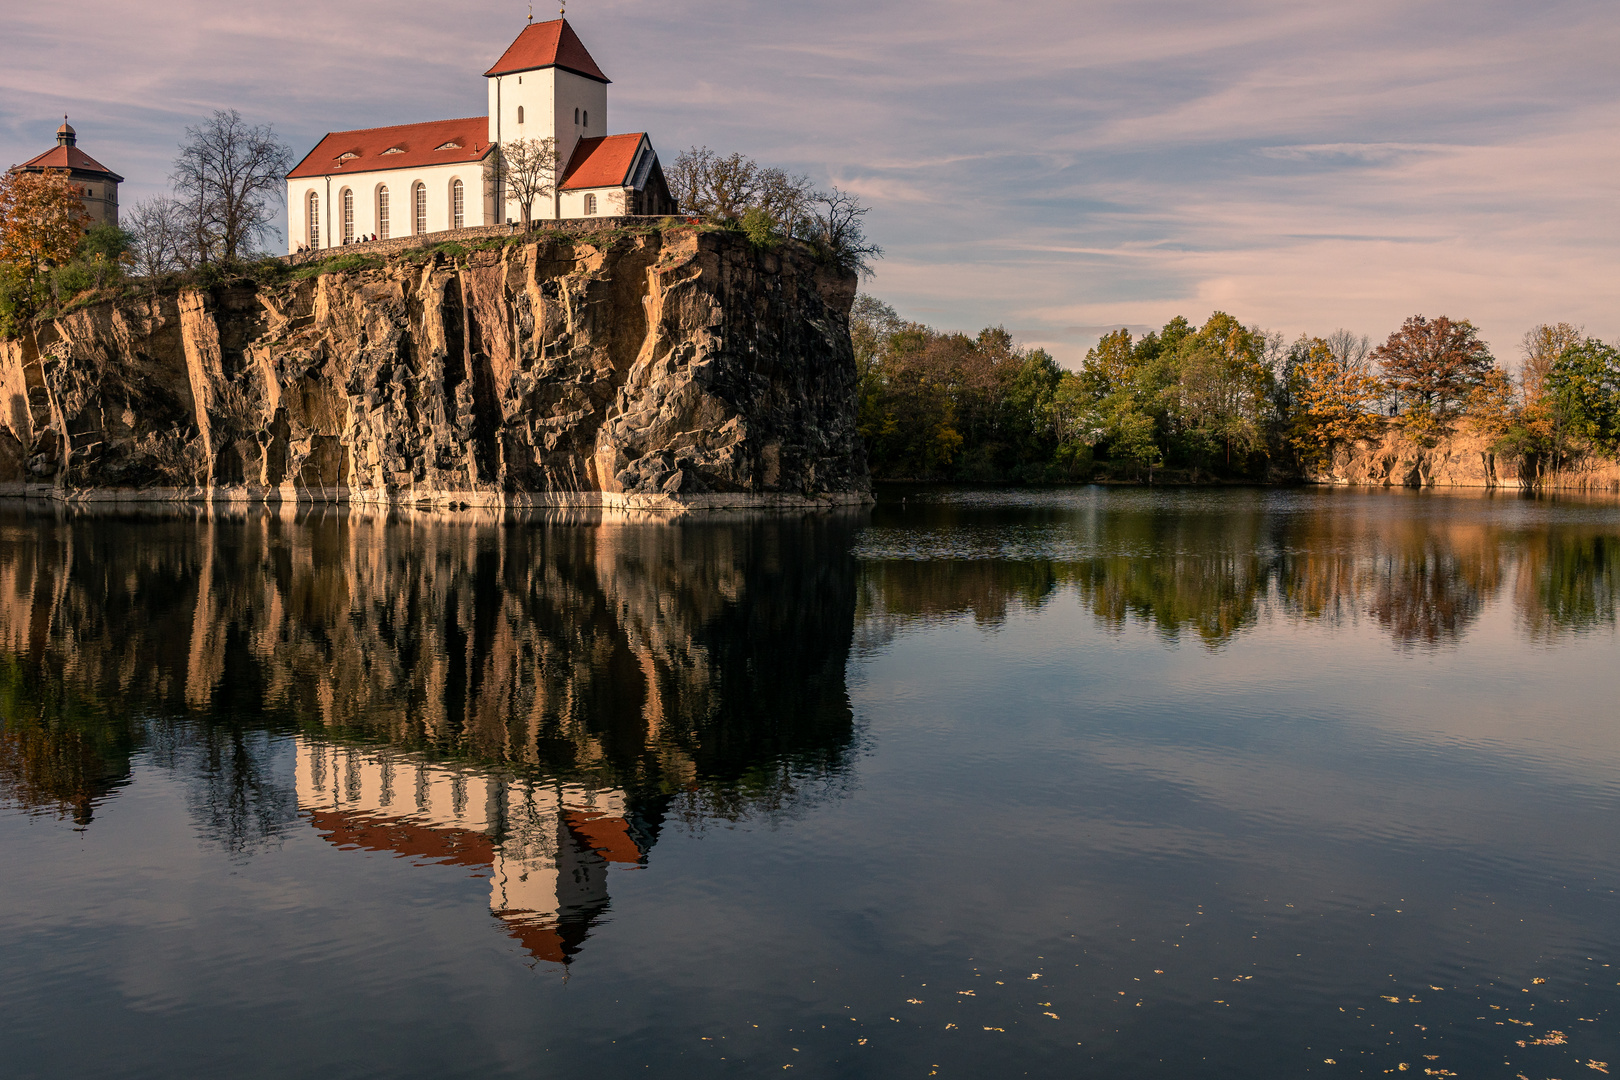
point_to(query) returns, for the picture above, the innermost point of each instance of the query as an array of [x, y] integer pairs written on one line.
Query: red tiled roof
[[548, 44], [368, 832], [609, 837], [68, 157], [419, 144], [601, 162]]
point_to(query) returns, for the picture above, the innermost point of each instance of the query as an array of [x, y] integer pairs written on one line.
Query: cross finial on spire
[[531, 10]]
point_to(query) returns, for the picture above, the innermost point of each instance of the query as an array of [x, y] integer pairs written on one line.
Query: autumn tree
[[1433, 366], [1334, 395], [229, 176], [521, 172], [42, 220]]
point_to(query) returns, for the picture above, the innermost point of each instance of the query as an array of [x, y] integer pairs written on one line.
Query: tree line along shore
[[1218, 402]]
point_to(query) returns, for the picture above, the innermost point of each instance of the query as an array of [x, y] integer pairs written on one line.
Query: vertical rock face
[[1461, 459], [673, 369]]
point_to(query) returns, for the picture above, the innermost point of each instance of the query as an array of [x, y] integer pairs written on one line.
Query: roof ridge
[[416, 123]]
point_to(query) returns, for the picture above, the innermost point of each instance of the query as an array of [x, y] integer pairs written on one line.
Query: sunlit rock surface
[[670, 370], [1462, 459]]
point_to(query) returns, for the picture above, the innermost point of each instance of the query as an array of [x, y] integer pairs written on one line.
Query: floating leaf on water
[[912, 1001], [1537, 982], [1600, 1066], [1386, 997], [1053, 1015]]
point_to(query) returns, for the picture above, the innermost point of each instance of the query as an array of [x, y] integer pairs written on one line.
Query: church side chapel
[[414, 179]]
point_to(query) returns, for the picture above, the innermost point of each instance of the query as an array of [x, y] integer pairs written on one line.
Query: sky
[[1061, 169]]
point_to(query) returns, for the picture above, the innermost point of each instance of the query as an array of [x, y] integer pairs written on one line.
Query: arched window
[[382, 212], [576, 117], [590, 204], [419, 208], [348, 216], [314, 220], [520, 114], [458, 207], [587, 115]]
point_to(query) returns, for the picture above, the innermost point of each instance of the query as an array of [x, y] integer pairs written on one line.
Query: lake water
[[1091, 782]]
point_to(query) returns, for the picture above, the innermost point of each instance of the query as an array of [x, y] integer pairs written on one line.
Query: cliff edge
[[674, 369]]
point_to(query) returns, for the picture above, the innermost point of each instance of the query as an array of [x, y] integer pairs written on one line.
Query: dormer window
[[349, 155], [394, 150], [448, 146]]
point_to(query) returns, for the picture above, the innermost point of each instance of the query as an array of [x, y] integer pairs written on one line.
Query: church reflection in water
[[530, 699], [545, 847]]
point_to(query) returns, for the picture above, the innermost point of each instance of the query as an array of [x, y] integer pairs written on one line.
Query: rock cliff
[[1459, 460], [671, 369]]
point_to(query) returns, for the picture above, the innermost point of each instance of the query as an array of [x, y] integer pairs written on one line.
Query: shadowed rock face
[[673, 370]]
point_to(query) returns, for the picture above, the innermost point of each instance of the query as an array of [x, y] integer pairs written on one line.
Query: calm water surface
[[1091, 782]]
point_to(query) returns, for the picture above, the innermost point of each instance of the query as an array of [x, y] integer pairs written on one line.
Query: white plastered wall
[[610, 202], [478, 208], [549, 98]]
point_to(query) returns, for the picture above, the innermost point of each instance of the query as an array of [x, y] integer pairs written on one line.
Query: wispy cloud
[[1056, 167]]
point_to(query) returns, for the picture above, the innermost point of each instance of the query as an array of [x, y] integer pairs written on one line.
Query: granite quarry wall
[[666, 370]]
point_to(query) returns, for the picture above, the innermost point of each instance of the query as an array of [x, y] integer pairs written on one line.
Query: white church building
[[413, 179]]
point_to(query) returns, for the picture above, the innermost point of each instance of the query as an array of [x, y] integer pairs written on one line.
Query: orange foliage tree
[[1435, 365], [1334, 401], [41, 220]]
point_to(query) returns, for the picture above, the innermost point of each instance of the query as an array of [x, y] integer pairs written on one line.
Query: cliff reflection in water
[[534, 700], [1423, 571]]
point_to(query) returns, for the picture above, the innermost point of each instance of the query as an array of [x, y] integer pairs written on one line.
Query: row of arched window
[[419, 212]]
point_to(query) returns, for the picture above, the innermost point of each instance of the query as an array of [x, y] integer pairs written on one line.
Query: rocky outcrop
[[1459, 460], [672, 369]]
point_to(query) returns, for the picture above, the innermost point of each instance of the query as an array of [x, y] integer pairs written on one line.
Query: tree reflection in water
[[539, 698], [1421, 571], [557, 691]]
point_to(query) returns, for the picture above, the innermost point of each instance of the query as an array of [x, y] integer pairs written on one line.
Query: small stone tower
[[98, 185]]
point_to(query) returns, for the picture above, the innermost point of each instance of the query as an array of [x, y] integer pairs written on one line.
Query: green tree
[[1584, 387]]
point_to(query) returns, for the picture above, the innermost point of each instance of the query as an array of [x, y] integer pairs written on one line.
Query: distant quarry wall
[[670, 369], [1459, 460]]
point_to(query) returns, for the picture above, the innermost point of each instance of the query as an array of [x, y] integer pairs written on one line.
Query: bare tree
[[786, 199], [522, 171], [1541, 347], [838, 232], [719, 189], [1352, 354], [228, 175], [159, 226]]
